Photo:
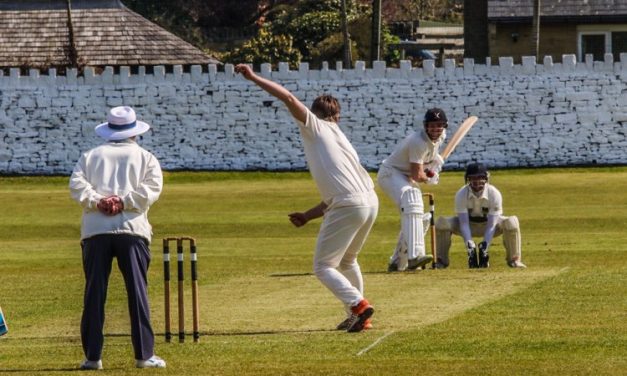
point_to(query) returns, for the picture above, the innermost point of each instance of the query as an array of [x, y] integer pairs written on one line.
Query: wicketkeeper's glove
[[471, 248], [484, 257], [470, 245]]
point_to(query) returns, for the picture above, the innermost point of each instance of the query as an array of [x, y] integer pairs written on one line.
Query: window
[[593, 44], [598, 43], [619, 44]]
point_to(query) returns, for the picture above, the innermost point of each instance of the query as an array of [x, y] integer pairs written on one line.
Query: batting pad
[[411, 222]]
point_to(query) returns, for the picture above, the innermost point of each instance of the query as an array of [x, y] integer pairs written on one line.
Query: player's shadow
[[309, 274]]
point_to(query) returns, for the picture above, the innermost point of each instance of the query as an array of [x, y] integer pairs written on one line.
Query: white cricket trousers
[[342, 235]]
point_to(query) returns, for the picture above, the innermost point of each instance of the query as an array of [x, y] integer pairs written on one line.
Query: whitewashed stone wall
[[530, 115]]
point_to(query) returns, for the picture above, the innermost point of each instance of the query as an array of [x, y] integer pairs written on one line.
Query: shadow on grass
[[45, 371], [308, 274]]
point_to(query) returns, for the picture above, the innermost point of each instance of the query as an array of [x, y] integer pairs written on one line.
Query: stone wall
[[529, 115]]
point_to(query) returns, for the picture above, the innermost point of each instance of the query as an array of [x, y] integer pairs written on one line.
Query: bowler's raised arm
[[296, 107]]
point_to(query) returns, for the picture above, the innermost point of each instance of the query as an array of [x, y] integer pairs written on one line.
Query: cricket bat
[[458, 136], [3, 324]]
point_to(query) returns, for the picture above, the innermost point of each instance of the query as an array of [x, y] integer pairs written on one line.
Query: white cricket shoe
[[516, 264], [152, 362], [91, 364]]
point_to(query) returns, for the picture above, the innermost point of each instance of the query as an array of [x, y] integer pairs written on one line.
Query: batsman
[[415, 160], [479, 208]]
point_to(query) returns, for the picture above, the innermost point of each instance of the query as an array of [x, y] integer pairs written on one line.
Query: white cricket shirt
[[489, 202], [117, 168], [334, 164], [415, 148]]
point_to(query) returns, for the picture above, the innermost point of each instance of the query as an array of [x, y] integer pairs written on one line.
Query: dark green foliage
[[315, 27], [266, 48], [307, 30], [173, 16]]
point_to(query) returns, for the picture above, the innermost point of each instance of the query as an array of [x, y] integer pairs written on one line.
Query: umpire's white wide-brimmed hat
[[121, 124]]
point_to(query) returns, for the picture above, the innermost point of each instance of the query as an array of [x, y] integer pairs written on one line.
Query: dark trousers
[[133, 258]]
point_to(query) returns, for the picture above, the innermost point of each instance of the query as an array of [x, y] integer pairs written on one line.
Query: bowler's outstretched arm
[[296, 107]]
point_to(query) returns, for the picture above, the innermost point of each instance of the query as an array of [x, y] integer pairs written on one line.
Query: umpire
[[116, 183]]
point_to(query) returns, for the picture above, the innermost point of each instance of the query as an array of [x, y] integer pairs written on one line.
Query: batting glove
[[434, 177], [435, 165]]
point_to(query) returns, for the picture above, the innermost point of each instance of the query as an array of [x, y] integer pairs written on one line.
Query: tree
[[315, 26], [413, 10], [308, 22], [176, 17], [266, 48]]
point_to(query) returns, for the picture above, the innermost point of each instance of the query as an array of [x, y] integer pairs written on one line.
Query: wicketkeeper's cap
[[435, 114]]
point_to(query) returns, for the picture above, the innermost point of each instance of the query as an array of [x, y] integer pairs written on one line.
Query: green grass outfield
[[263, 313]]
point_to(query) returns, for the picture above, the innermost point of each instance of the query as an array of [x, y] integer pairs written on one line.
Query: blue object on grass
[[3, 324]]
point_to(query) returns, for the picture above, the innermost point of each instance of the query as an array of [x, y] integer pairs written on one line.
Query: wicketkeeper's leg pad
[[511, 238], [443, 234]]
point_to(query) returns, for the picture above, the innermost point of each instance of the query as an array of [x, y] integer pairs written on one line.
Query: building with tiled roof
[[584, 11], [580, 27], [77, 33]]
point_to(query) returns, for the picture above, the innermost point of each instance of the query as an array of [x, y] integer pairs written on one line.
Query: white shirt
[[334, 164], [489, 202], [117, 168], [415, 148]]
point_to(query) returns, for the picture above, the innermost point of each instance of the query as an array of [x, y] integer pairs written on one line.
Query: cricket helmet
[[435, 115], [476, 169]]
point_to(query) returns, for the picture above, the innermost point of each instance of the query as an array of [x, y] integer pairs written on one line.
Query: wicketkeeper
[[479, 208], [415, 160]]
